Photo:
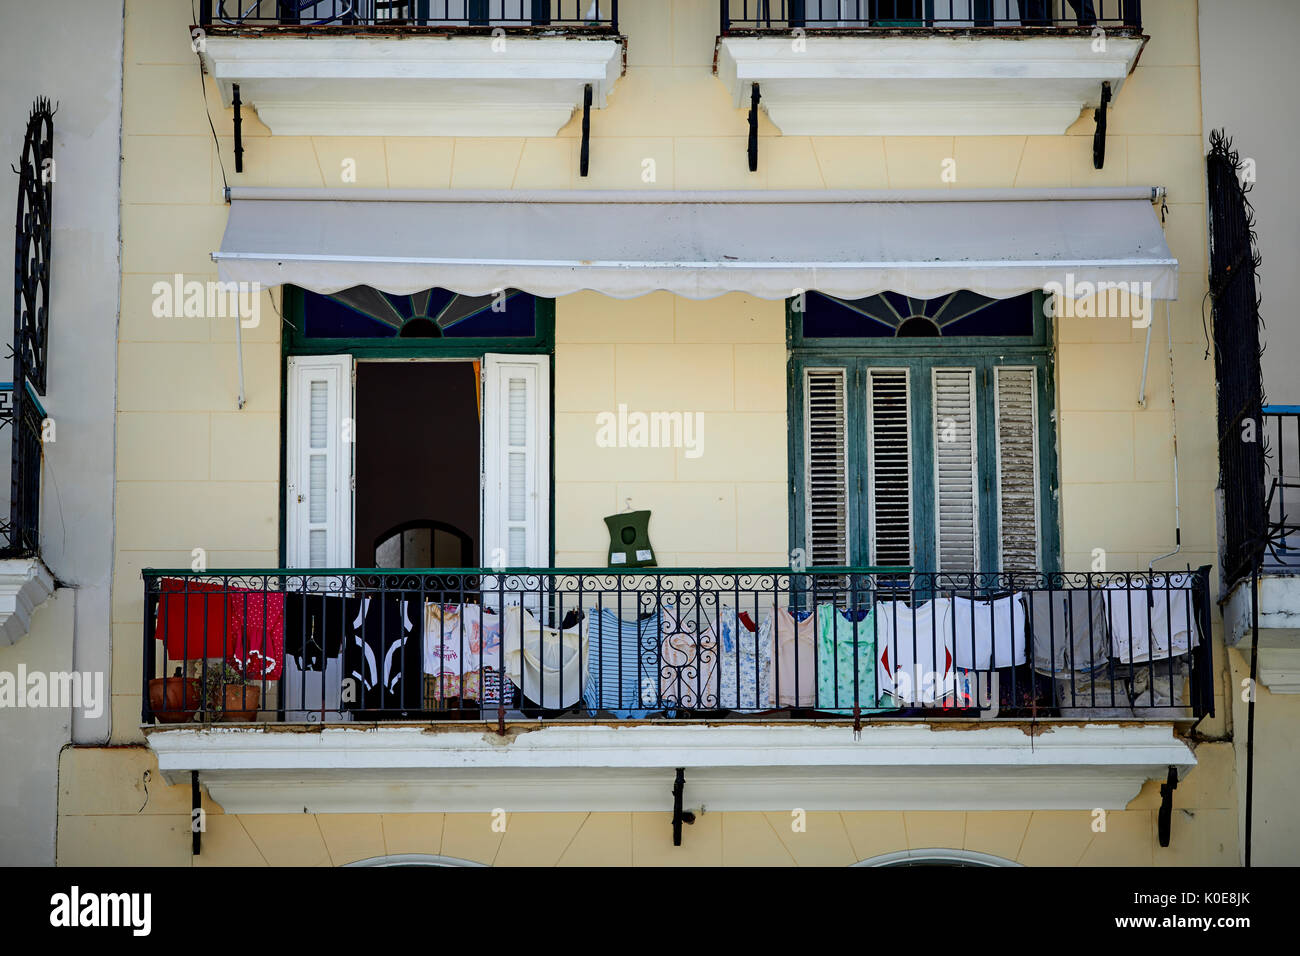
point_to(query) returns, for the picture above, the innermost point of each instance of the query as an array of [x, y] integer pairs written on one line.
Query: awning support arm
[[196, 815], [680, 816], [1167, 805], [754, 97], [584, 157], [1099, 138], [239, 129]]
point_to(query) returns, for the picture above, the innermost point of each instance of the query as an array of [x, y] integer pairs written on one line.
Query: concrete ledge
[[630, 768]]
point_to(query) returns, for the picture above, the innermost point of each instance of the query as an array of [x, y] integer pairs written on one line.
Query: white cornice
[[857, 85], [414, 86], [630, 768], [25, 584]]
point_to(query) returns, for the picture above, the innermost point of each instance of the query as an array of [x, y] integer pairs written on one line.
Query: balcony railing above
[[342, 15], [475, 645], [1039, 15]]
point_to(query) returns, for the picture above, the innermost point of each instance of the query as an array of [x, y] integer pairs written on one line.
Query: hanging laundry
[[192, 618], [314, 625], [796, 655], [1152, 620], [314, 628], [549, 665], [255, 641], [383, 655], [688, 660], [914, 651], [1068, 630], [616, 675], [315, 695], [989, 634], [245, 626], [846, 660], [462, 653], [745, 662]]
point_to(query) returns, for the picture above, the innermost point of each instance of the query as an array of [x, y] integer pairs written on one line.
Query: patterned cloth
[[746, 663], [846, 644]]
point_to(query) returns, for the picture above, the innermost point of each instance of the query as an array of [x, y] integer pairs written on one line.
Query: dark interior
[[417, 464]]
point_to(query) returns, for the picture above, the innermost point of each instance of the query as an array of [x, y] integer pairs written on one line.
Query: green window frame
[[852, 361]]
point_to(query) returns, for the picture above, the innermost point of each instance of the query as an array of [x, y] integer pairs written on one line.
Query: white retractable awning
[[698, 245]]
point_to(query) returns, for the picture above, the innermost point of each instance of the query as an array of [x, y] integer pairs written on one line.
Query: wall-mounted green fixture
[[629, 540]]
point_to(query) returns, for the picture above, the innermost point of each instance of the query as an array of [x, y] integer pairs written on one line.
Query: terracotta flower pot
[[241, 702], [174, 700]]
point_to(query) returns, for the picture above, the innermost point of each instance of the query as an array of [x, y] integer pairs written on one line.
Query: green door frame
[[294, 342]]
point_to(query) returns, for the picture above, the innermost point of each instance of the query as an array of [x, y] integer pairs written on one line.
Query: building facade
[[889, 315]]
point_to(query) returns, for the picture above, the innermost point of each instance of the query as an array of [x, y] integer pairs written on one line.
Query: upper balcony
[[927, 67], [403, 685], [412, 67]]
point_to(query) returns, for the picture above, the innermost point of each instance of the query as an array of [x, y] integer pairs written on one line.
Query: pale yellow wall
[[194, 472]]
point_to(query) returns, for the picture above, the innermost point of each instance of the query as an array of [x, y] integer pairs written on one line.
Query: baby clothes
[[616, 674], [846, 666], [796, 653], [745, 662], [914, 651]]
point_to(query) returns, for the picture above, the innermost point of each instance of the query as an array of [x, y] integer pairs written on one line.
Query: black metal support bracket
[[584, 157], [680, 816], [196, 814], [1099, 138], [753, 128], [239, 128], [1165, 817]]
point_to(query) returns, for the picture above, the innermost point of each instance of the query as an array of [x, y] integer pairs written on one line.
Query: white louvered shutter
[[826, 472], [516, 460], [956, 470], [889, 469], [1017, 449], [318, 462]]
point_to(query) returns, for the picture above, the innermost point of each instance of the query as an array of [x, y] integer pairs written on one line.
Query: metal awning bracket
[[1099, 138], [680, 816], [1164, 818], [584, 158]]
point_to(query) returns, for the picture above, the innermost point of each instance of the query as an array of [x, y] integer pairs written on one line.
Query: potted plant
[[226, 696], [174, 700]]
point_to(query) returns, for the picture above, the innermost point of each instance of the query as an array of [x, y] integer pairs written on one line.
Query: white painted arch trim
[[349, 769], [414, 859], [937, 855], [976, 85], [414, 86]]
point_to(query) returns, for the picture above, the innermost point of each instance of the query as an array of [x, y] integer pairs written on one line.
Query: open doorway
[[418, 462]]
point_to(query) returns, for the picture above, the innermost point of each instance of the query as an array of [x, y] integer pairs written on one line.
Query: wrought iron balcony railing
[[346, 645], [21, 417], [433, 14], [1281, 435], [1045, 15]]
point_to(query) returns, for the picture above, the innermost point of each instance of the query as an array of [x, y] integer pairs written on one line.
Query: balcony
[[927, 67], [1261, 482], [439, 683], [25, 582], [412, 67]]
